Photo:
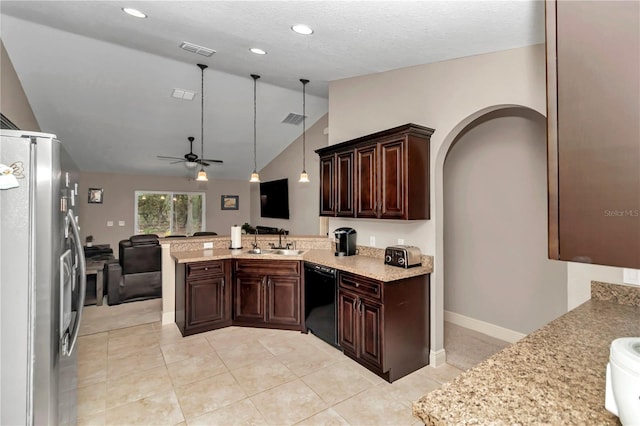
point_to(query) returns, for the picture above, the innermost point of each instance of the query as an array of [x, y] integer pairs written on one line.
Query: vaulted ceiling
[[102, 80]]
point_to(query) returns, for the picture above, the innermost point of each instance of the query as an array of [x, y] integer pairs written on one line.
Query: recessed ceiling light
[[302, 29], [258, 51], [133, 12]]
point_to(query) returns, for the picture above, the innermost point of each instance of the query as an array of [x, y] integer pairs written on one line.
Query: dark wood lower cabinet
[[203, 296], [384, 326], [268, 293]]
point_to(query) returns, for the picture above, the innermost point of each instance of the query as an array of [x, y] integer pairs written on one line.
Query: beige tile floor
[[150, 375]]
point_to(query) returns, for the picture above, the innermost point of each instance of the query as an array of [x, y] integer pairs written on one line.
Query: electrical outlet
[[400, 241], [121, 223], [372, 241], [208, 245], [109, 223]]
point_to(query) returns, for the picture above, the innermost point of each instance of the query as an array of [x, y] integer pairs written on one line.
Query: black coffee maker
[[345, 241]]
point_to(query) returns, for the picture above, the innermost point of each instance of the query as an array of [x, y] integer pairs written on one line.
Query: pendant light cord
[[202, 68], [255, 79], [304, 116]]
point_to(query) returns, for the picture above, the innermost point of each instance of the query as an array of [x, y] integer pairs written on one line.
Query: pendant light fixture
[[304, 177], [202, 175], [255, 177]]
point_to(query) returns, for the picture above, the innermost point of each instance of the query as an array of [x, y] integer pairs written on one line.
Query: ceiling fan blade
[[176, 162], [212, 161], [204, 163], [163, 157]]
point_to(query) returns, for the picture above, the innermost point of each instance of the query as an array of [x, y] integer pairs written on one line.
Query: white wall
[[304, 201], [119, 203], [13, 101], [446, 96], [495, 224]]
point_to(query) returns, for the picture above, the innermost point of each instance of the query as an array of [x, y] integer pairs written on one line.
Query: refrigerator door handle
[[69, 344]]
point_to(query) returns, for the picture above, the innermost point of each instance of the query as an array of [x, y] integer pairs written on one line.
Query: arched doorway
[[497, 278]]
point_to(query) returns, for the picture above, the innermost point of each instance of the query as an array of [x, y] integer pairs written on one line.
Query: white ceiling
[[101, 80]]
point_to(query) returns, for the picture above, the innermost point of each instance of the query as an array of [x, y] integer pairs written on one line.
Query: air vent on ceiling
[[187, 95], [293, 118], [194, 48]]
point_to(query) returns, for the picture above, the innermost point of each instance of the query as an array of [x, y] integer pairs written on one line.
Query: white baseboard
[[168, 317], [437, 358], [492, 330]]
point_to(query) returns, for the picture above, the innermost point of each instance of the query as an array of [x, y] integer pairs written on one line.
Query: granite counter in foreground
[[555, 375]]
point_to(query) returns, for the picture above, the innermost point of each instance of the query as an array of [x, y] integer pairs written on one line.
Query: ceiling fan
[[190, 160]]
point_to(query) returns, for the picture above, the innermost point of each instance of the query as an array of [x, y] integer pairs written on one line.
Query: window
[[169, 213]]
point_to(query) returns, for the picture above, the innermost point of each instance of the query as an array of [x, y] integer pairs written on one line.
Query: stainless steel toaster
[[403, 256]]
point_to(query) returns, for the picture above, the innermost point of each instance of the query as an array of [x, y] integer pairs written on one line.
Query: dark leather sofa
[[137, 275]]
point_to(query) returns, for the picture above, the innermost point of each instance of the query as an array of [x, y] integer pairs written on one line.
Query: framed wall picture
[[95, 195], [229, 202]]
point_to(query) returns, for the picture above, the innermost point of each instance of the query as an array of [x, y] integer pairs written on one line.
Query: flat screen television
[[274, 199]]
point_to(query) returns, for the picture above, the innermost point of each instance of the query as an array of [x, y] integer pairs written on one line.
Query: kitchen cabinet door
[[203, 296], [370, 331], [250, 298], [283, 304], [347, 322], [593, 88], [366, 182], [392, 180], [206, 301], [327, 185], [344, 184]]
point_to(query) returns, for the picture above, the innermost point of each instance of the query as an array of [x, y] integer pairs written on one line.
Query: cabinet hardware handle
[[223, 283], [360, 306], [357, 284], [354, 304], [206, 268]]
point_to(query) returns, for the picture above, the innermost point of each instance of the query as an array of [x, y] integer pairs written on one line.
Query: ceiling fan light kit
[[304, 177]]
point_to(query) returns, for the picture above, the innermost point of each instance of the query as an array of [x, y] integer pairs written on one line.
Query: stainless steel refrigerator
[[42, 280]]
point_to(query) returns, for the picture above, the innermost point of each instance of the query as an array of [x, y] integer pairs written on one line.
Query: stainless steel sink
[[255, 251], [287, 252]]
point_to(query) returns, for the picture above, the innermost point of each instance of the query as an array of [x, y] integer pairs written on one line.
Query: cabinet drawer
[[209, 267], [360, 285], [268, 267]]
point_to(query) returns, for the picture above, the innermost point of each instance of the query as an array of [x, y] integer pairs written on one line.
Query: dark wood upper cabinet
[[366, 182], [384, 175], [593, 103], [327, 185]]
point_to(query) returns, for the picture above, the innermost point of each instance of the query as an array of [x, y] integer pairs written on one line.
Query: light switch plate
[[109, 223], [400, 242], [631, 276], [121, 223], [372, 241], [208, 245]]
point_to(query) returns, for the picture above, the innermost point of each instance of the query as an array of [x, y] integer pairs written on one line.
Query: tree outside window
[[169, 213]]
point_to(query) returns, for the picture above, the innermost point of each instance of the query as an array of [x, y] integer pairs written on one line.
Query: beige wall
[[495, 174], [119, 197], [13, 101], [446, 96], [304, 201]]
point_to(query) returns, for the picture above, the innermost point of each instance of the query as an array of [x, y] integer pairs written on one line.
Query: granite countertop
[[555, 375], [367, 266]]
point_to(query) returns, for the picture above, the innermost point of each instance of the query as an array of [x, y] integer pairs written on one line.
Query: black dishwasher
[[320, 292]]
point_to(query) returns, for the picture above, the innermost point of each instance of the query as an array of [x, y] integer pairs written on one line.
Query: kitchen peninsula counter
[[368, 266], [555, 375]]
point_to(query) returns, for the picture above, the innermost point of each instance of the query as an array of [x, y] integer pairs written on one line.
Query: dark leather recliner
[[137, 275]]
